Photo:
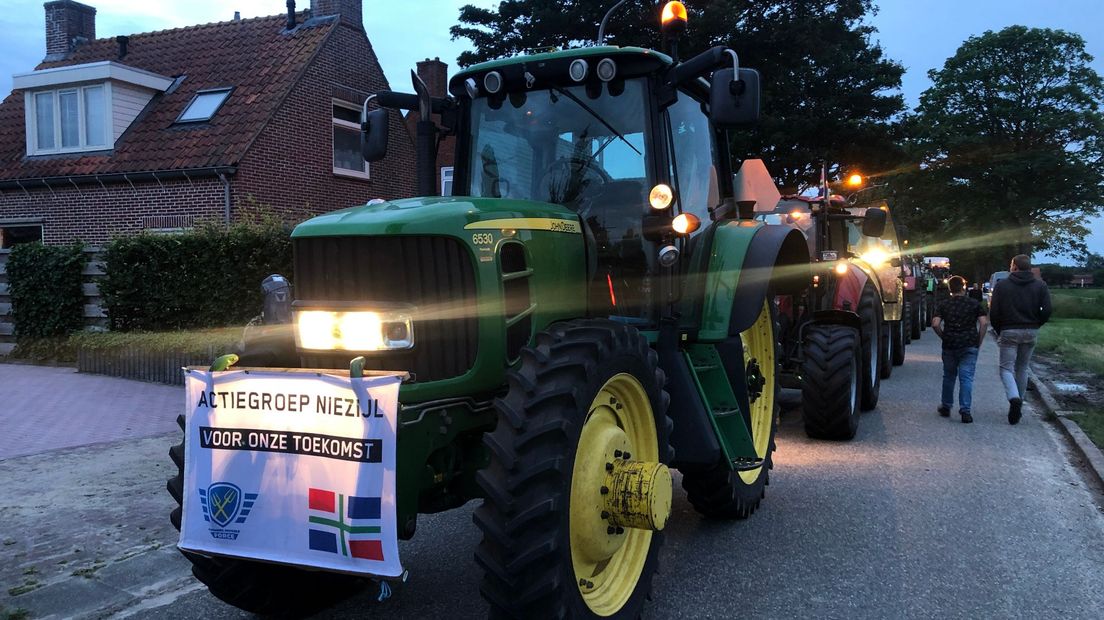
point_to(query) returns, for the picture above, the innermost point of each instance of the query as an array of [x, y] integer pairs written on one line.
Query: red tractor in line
[[847, 330]]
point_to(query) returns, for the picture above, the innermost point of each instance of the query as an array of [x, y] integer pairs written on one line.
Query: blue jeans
[[1016, 346], [960, 364]]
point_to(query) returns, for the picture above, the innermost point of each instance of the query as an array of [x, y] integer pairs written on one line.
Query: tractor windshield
[[585, 147], [578, 146]]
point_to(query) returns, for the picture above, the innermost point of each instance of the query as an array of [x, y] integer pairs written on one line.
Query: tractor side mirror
[[734, 100], [874, 223], [373, 133]]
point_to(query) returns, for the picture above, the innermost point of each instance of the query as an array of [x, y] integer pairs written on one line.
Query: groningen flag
[[345, 524]]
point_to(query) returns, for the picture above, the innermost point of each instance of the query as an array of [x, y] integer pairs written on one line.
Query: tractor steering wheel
[[565, 167]]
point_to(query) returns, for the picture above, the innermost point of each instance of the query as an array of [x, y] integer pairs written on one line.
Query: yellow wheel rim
[[759, 345], [618, 441]]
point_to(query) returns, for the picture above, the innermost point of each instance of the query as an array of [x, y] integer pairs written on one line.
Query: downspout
[[225, 197]]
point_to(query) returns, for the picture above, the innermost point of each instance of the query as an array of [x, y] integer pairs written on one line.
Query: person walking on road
[[1020, 305], [961, 323]]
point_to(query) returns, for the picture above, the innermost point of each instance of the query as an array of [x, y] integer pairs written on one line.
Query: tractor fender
[[849, 288], [830, 317], [835, 317], [743, 259]]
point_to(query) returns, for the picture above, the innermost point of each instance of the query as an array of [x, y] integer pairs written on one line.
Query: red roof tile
[[257, 57]]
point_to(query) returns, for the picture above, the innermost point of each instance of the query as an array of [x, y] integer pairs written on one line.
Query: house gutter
[[222, 172]]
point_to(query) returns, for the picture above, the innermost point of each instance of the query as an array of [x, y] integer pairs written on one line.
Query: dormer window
[[203, 106], [78, 108], [69, 119]]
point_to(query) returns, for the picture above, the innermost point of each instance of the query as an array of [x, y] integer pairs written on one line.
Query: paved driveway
[[45, 408]]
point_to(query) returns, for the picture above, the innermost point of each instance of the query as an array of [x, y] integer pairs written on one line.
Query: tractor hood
[[440, 215]]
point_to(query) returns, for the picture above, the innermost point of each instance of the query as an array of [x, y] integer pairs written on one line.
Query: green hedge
[[189, 342], [45, 288], [209, 277]]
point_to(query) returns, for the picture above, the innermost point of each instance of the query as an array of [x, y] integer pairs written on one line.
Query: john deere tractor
[[592, 307], [843, 333]]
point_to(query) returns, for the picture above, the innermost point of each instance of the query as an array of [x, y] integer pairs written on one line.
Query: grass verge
[[1092, 422], [1076, 343], [1073, 303]]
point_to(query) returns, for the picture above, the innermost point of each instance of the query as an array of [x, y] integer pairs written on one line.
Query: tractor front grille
[[434, 274]]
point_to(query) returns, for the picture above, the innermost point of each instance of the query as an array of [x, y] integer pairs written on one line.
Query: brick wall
[[290, 165], [65, 21], [95, 214]]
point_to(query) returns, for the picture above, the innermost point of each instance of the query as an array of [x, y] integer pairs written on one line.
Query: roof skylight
[[204, 105]]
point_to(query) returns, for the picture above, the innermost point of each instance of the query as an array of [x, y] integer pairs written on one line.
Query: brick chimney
[[435, 75], [68, 24], [349, 11]]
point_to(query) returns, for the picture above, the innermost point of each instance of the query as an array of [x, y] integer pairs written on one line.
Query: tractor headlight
[[875, 257], [325, 330]]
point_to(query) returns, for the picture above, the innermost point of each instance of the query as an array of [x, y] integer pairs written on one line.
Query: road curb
[[1094, 458]]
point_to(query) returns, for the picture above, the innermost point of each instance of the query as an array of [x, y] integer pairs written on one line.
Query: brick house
[[161, 130]]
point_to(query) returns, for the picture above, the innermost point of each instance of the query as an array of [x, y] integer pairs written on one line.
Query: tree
[[1009, 140], [827, 88], [1092, 261]]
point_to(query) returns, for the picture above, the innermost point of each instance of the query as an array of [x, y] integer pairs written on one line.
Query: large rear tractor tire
[[916, 318], [576, 490], [831, 386], [885, 360], [870, 318], [721, 492], [898, 332], [905, 322], [258, 587]]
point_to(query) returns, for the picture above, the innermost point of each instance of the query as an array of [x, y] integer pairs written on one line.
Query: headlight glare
[[324, 330]]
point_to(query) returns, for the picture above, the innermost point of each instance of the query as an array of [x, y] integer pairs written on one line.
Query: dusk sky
[[920, 35]]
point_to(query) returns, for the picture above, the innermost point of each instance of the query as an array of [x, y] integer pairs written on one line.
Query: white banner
[[292, 467]]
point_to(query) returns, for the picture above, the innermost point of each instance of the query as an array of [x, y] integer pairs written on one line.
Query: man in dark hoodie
[[1019, 307]]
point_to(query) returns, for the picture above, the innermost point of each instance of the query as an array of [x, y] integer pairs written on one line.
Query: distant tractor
[[594, 266], [941, 270], [843, 333], [913, 277], [919, 292]]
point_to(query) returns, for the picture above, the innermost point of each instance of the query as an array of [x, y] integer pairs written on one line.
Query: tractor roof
[[541, 60], [578, 52]]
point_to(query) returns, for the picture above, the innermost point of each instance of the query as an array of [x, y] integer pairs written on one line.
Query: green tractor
[[592, 307]]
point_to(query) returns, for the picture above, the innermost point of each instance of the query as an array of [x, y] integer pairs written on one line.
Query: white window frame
[[30, 111], [446, 174], [344, 124]]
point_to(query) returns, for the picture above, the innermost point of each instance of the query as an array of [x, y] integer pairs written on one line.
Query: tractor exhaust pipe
[[425, 143]]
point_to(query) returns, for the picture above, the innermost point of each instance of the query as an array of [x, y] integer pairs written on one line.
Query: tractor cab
[[629, 141]]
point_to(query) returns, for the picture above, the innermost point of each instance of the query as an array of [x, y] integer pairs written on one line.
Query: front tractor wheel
[[721, 492], [831, 386], [577, 489]]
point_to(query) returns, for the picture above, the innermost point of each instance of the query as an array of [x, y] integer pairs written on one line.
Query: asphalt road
[[918, 517]]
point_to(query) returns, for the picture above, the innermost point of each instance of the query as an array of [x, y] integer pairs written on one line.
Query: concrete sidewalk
[[46, 408]]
